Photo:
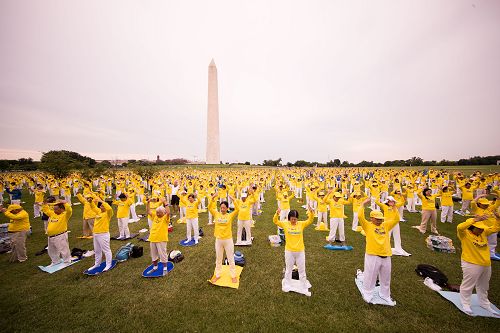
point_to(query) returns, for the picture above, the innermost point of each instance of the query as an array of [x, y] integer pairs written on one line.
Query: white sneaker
[[491, 310], [388, 300], [430, 283], [467, 309], [196, 241], [93, 267]]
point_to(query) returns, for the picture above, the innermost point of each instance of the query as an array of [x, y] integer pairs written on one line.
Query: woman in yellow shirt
[[428, 210], [158, 237], [476, 262], [102, 216], [447, 204], [294, 248], [191, 207], [223, 237]]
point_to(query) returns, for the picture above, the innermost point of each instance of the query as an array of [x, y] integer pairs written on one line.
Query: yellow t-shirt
[[159, 229], [39, 194], [446, 198], [245, 208], [378, 242], [428, 203], [88, 212], [294, 234], [57, 224], [191, 207], [102, 219], [475, 249], [123, 210], [222, 222], [19, 221], [337, 207]]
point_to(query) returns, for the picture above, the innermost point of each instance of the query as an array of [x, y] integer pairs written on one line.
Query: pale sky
[[312, 80]]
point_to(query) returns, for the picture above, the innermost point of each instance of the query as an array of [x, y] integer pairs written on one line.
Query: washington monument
[[213, 145]]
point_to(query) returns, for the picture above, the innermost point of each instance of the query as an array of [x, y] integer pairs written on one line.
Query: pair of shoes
[[495, 257], [388, 300]]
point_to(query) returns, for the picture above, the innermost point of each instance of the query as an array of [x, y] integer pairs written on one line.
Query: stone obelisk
[[213, 145]]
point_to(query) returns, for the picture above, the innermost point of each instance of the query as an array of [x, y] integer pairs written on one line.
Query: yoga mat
[[182, 221], [225, 277], [376, 298], [477, 311], [99, 270], [52, 269], [296, 287], [184, 243], [124, 239], [322, 227], [338, 247], [160, 272]]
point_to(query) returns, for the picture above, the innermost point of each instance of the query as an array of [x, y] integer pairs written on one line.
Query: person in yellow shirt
[[322, 207], [447, 204], [122, 214], [391, 211], [428, 210], [476, 262], [294, 248], [39, 198], [158, 237], [103, 214], [467, 197], [190, 204], [336, 204], [223, 237], [284, 203], [244, 206], [377, 254], [154, 202], [482, 206], [356, 199], [18, 228], [57, 231], [88, 214]]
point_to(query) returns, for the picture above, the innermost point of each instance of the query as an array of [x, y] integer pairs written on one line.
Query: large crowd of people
[[228, 195]]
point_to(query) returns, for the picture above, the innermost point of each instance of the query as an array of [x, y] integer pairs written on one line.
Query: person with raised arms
[[158, 236], [244, 206], [190, 202], [294, 247], [377, 254], [122, 214], [223, 237], [18, 228], [57, 231], [102, 217]]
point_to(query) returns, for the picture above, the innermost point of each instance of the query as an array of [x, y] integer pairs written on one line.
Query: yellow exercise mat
[[182, 221], [322, 227], [225, 277], [202, 210]]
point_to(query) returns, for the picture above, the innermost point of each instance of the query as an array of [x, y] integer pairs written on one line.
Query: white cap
[[243, 194], [389, 198]]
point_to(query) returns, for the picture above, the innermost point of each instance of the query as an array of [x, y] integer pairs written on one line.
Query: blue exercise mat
[[57, 267], [338, 247], [477, 311], [159, 272], [100, 268], [184, 243]]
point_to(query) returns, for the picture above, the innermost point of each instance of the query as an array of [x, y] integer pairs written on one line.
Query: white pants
[[150, 223], [37, 210], [192, 224], [446, 213], [376, 266], [133, 213], [417, 200], [210, 218], [182, 212], [355, 220], [284, 214], [322, 216], [159, 251], [396, 234], [492, 243], [298, 192], [101, 245], [222, 245], [401, 211], [334, 223], [59, 248], [123, 227], [475, 276], [247, 224], [383, 196], [373, 206], [411, 204], [298, 258], [313, 204]]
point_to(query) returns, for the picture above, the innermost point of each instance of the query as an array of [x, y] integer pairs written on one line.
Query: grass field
[[122, 301]]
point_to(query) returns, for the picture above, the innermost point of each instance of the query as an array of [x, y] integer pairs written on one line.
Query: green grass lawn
[[123, 301]]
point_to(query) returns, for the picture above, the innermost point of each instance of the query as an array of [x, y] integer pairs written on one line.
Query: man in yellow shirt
[[103, 214], [467, 197], [190, 203], [57, 231], [476, 262], [18, 228], [39, 197], [336, 204], [244, 206], [88, 214], [294, 248], [377, 254]]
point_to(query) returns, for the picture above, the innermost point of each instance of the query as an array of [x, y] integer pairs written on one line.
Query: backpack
[[137, 251], [425, 270], [175, 256], [201, 233], [239, 259], [124, 252]]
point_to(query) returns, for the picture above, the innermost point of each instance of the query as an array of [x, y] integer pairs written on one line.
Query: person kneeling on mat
[[377, 254], [103, 214], [223, 237], [294, 248], [158, 237], [476, 262]]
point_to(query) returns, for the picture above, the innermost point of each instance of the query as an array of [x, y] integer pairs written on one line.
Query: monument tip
[[212, 63]]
